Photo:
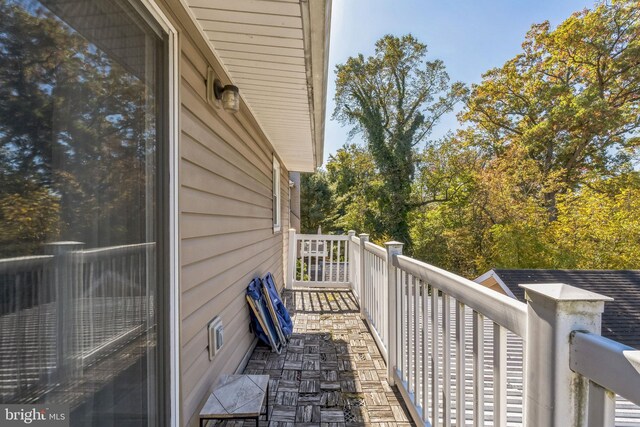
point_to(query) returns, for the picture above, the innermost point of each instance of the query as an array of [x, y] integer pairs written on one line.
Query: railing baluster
[[602, 406], [405, 327], [379, 301], [383, 303], [499, 376], [367, 282], [379, 323], [409, 334], [372, 300], [347, 261], [371, 309], [416, 335], [397, 334], [460, 364], [435, 362], [323, 255], [331, 261], [368, 267], [478, 369], [446, 360], [425, 351], [87, 319], [317, 253], [376, 285], [337, 279]]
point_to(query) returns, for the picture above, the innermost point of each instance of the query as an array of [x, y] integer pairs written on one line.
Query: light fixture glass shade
[[231, 98]]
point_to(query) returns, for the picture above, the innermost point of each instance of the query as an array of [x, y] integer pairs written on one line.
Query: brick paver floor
[[331, 374]]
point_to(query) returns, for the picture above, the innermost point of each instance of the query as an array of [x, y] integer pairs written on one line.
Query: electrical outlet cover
[[215, 330]]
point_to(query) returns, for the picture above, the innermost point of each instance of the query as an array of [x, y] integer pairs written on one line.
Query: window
[[83, 158], [276, 196]]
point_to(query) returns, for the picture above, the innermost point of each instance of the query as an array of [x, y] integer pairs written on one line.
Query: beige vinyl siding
[[226, 230], [493, 284]]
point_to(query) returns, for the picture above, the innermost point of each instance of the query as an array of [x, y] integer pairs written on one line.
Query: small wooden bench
[[237, 397]]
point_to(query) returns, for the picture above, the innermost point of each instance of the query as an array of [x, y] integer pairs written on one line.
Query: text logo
[[34, 415]]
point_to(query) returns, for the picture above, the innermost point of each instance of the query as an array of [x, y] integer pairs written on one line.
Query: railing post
[[363, 291], [352, 273], [291, 262], [393, 248], [67, 282], [555, 396]]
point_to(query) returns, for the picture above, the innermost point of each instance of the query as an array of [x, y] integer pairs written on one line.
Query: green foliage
[[356, 185], [394, 98], [570, 100], [543, 173], [75, 135], [27, 219], [597, 230], [317, 199], [301, 268]]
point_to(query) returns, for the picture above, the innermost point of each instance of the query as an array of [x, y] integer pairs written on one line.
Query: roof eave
[[316, 21]]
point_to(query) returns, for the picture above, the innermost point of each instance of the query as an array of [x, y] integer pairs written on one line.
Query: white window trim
[[173, 75], [277, 195]]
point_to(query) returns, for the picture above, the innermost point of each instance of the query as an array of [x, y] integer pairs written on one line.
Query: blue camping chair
[[284, 319], [262, 323]]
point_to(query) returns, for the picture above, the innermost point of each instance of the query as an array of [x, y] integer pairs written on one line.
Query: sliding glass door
[[82, 209]]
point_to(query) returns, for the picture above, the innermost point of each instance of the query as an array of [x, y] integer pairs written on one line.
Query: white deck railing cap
[[562, 292]]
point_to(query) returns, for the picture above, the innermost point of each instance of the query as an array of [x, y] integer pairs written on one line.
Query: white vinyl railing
[[112, 290], [62, 311], [319, 260], [611, 368], [462, 354], [450, 331], [375, 294]]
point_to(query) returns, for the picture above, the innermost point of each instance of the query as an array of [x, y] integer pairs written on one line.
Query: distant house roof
[[621, 317]]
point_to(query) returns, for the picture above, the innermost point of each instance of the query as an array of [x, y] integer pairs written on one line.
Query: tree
[[356, 185], [449, 231], [571, 100], [394, 98], [75, 135], [598, 226], [316, 207]]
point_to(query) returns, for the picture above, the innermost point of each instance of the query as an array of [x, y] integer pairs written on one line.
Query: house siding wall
[[225, 220], [226, 230]]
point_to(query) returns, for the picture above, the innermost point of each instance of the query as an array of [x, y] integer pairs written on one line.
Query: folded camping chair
[[262, 322], [281, 312]]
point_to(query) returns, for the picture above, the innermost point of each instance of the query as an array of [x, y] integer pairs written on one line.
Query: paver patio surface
[[331, 374]]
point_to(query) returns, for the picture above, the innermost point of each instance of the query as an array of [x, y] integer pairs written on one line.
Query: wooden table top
[[236, 396]]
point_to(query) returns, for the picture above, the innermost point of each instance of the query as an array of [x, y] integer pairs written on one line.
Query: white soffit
[[276, 52]]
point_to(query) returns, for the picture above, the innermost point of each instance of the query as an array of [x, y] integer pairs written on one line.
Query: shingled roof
[[621, 317]]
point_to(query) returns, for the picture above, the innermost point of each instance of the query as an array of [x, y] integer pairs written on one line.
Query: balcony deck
[[332, 373]]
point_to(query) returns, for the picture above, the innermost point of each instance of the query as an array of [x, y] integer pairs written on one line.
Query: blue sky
[[470, 36]]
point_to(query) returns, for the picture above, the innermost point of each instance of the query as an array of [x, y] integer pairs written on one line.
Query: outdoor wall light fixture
[[227, 96]]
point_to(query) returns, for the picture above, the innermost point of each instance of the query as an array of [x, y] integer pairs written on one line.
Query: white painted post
[[555, 396], [393, 248], [363, 290], [352, 273], [291, 263], [67, 281]]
